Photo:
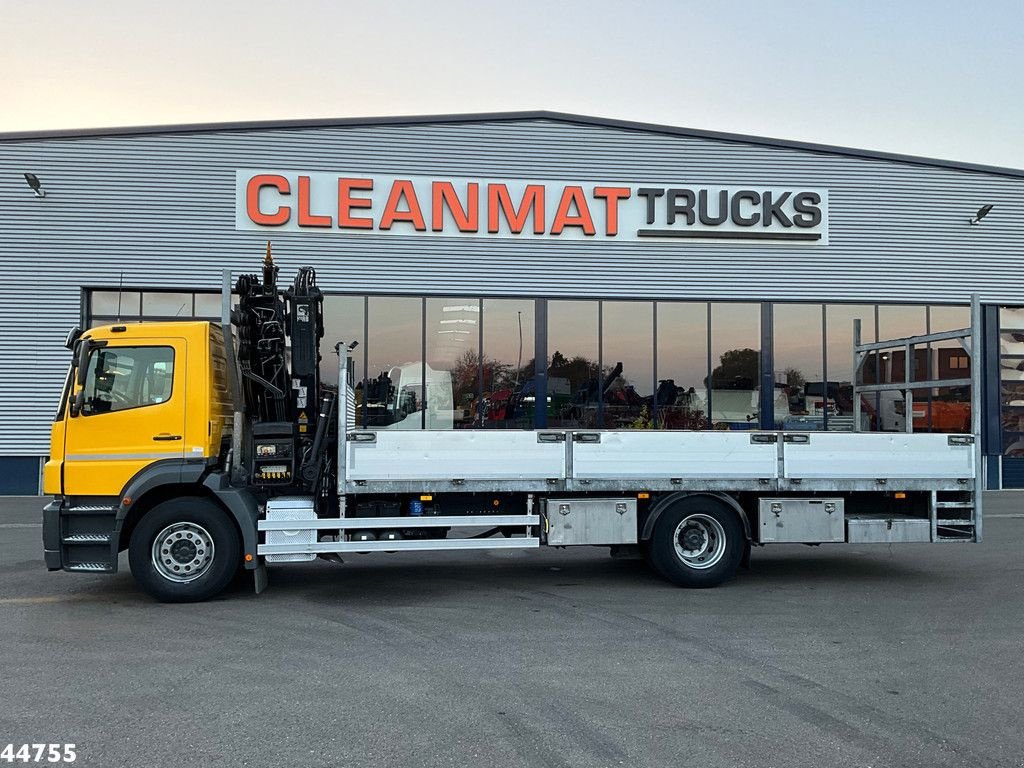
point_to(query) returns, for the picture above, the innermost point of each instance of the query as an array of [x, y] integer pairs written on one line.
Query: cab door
[[132, 413]]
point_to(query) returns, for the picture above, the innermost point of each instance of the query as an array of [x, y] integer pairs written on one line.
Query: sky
[[936, 79]]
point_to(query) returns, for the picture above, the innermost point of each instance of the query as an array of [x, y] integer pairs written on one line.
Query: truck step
[[86, 538], [90, 509], [399, 545], [954, 505], [89, 568], [954, 531]]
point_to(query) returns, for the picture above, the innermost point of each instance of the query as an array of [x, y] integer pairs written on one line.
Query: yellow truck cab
[[145, 417]]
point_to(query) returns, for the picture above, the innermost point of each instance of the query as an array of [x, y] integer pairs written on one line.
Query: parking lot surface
[[839, 655]]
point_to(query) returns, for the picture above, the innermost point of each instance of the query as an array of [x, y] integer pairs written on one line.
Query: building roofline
[[488, 117]]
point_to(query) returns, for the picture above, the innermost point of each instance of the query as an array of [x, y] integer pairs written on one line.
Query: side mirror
[[72, 338], [84, 348], [77, 403]]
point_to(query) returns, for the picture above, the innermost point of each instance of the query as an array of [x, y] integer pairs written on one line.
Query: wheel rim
[[182, 552], [699, 541]]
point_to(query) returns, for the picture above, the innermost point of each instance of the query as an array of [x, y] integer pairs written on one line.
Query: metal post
[[540, 364], [239, 423], [229, 347], [824, 365], [766, 362], [654, 365], [364, 418], [931, 374], [478, 397], [424, 403], [344, 362], [908, 393], [878, 371], [976, 356], [600, 366], [856, 375], [708, 381]]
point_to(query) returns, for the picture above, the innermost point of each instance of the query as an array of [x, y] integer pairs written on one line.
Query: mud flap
[[259, 578]]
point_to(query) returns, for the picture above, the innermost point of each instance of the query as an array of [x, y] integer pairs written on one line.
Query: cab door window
[[121, 378]]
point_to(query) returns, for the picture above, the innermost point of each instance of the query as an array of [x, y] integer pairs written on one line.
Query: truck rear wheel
[[697, 543], [184, 550]]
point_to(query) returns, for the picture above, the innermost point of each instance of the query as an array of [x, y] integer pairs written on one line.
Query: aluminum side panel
[[461, 454], [877, 455], [647, 455]]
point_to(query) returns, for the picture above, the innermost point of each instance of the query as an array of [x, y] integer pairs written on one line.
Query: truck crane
[[203, 448]]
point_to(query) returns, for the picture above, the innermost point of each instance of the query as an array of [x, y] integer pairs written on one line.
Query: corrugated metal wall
[[160, 209]]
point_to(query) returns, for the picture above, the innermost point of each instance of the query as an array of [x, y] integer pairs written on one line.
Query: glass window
[[96, 321], [208, 305], [392, 392], [124, 304], [682, 357], [453, 362], [949, 358], [803, 399], [509, 363], [120, 378], [627, 353], [573, 385], [839, 364], [897, 322], [946, 409], [1011, 379], [167, 305], [948, 318], [735, 356], [343, 322]]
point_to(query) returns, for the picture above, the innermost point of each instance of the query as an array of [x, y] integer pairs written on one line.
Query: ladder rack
[[949, 527]]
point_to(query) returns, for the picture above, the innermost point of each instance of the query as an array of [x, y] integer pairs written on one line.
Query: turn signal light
[[643, 495], [900, 495], [248, 557]]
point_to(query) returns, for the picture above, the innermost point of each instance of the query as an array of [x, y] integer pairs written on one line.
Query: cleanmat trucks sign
[[293, 201]]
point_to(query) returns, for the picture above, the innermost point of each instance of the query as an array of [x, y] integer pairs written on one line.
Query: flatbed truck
[[205, 448]]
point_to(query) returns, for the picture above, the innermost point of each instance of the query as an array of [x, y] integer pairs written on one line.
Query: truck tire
[[184, 551], [697, 543]]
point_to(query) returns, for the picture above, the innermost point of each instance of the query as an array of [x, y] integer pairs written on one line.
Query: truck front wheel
[[697, 543], [184, 550]]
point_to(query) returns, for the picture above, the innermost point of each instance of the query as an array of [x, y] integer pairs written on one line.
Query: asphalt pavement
[[909, 655]]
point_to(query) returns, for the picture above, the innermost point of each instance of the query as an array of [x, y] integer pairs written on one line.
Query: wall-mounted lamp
[[37, 186], [981, 214]]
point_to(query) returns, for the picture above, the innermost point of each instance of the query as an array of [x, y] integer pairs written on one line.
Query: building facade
[[531, 269]]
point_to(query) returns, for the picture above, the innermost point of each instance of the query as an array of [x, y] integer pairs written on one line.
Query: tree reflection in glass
[[734, 392], [573, 386], [508, 394]]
